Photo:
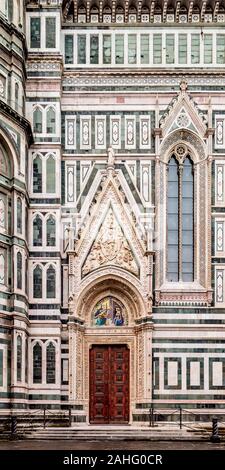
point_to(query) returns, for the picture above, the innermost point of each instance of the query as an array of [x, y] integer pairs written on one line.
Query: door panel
[[109, 384]]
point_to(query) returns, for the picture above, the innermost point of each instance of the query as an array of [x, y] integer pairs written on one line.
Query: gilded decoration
[[109, 312]]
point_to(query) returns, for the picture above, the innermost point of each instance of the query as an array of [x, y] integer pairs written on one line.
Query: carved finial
[[183, 86], [111, 159]]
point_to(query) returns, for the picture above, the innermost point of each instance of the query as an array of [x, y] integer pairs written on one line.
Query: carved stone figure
[[111, 158]]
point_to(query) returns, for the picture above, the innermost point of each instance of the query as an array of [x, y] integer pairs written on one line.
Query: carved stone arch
[[115, 285], [200, 292], [193, 142], [11, 152]]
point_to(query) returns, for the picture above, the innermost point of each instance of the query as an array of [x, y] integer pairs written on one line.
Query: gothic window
[[50, 364], [50, 28], [50, 231], [69, 49], [35, 33], [37, 121], [180, 217], [94, 49], [37, 364], [37, 283], [37, 175], [37, 231], [16, 96], [50, 283], [2, 212], [4, 163], [19, 270], [19, 215], [2, 268], [50, 119], [10, 10], [119, 48], [19, 358], [50, 175], [26, 276], [81, 49]]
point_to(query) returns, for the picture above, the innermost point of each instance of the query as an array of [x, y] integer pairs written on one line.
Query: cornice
[[18, 119]]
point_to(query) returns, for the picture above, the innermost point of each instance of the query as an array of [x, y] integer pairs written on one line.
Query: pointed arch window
[[50, 175], [180, 220], [50, 283], [50, 231], [37, 231], [37, 283], [37, 364], [16, 96], [37, 121], [19, 358], [50, 365], [37, 175], [50, 119], [19, 271], [19, 215]]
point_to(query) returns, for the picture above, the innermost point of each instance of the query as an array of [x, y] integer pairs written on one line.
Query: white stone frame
[[219, 117], [102, 119], [15, 252], [146, 118], [219, 224], [74, 119], [146, 165], [144, 30], [219, 183], [128, 118], [44, 344], [118, 119], [4, 385], [44, 107], [44, 159], [43, 15], [51, 212], [220, 271], [84, 118], [44, 299]]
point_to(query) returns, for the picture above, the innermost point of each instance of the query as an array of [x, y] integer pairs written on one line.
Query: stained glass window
[[50, 121], [182, 48], [119, 48], [81, 49], [37, 121], [170, 47], [106, 49], [144, 49], [157, 48], [19, 215], [93, 49]]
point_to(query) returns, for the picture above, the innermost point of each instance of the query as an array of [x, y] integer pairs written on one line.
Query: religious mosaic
[[109, 312]]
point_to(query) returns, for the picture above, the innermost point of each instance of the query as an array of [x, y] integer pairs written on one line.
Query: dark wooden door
[[109, 384]]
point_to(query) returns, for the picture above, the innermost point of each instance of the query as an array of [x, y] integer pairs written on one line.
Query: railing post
[[44, 416], [180, 417], [215, 434], [14, 427]]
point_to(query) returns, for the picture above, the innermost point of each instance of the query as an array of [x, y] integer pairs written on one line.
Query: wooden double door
[[109, 384]]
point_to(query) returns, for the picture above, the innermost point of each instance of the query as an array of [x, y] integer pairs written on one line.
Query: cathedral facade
[[112, 208]]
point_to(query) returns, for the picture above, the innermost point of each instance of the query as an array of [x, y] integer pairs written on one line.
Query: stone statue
[[111, 158]]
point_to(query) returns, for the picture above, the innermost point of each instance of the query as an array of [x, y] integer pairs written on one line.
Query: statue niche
[[110, 248]]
